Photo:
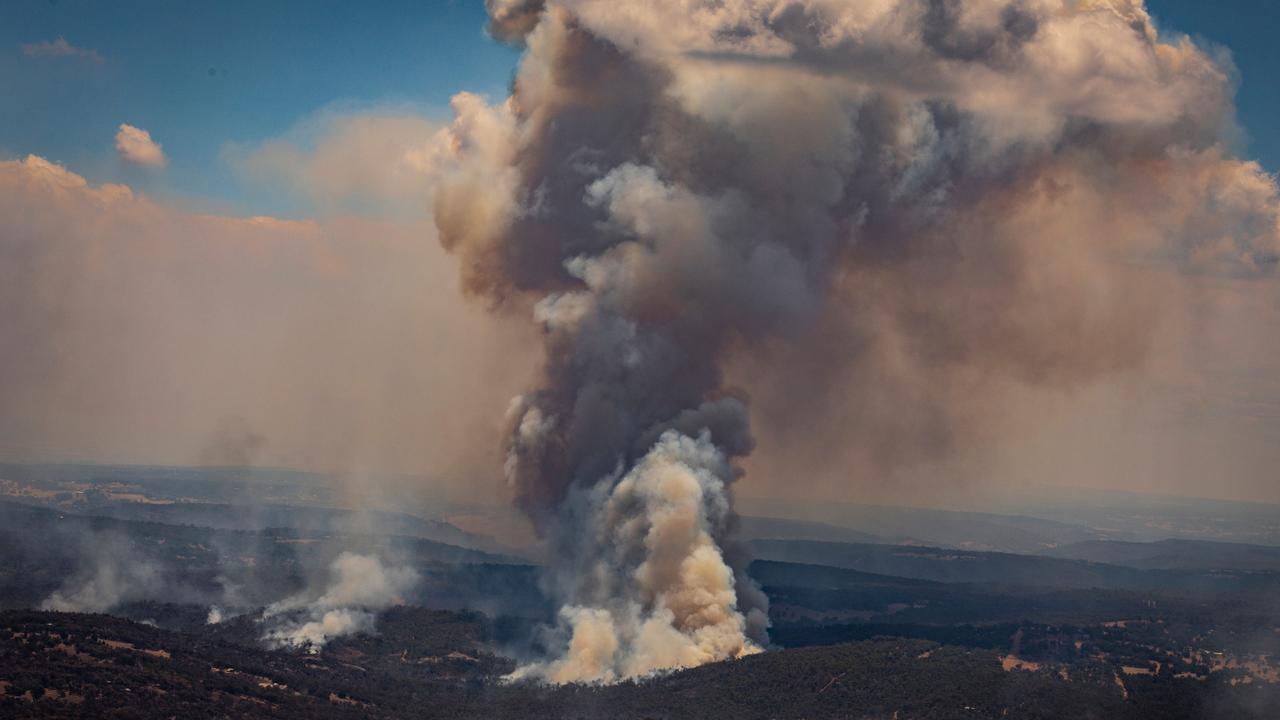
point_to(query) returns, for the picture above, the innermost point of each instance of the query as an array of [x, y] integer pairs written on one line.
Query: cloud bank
[[135, 331]]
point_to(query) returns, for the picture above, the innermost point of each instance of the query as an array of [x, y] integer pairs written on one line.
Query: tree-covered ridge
[[439, 664]]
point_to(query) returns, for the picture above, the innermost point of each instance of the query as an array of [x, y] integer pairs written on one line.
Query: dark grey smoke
[[234, 443], [511, 20]]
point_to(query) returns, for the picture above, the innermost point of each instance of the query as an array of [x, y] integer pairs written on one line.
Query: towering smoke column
[[918, 194]]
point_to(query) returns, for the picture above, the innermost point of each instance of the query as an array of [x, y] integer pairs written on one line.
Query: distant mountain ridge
[[970, 566], [228, 498], [236, 516], [906, 525], [1175, 554], [753, 527]]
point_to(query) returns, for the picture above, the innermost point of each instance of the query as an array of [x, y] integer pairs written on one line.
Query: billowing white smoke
[[674, 604], [109, 585], [359, 587], [111, 573], [892, 210]]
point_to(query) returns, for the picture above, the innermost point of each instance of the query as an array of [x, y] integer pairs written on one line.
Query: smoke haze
[[137, 332]]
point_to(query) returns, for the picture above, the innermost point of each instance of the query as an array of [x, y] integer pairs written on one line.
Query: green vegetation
[[436, 664]]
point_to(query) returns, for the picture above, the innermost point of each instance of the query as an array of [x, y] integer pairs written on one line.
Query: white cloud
[[60, 48], [136, 146]]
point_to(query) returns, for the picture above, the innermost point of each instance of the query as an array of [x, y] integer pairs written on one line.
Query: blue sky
[[1247, 29], [199, 75], [203, 75]]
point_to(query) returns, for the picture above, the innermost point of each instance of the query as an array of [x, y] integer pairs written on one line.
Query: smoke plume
[[110, 572], [879, 217], [359, 587]]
